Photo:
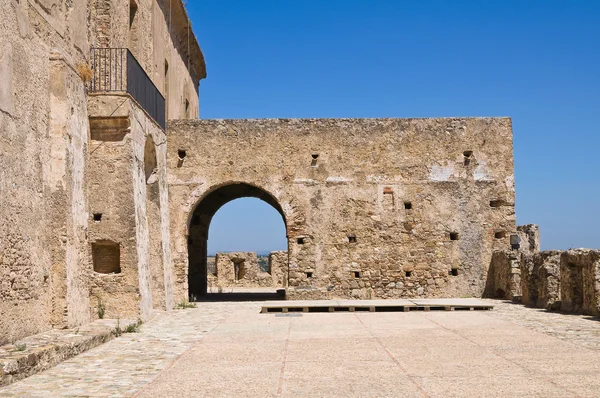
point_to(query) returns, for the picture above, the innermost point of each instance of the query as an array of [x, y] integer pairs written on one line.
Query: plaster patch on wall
[[305, 181], [481, 172], [510, 183], [338, 180], [7, 103], [441, 173], [382, 179], [173, 180]]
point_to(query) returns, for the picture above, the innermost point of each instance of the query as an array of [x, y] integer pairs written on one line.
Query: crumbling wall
[[504, 276], [540, 279], [278, 266], [568, 281], [530, 238], [239, 269], [580, 281], [376, 208]]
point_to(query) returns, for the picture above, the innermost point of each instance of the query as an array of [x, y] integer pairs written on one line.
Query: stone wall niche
[[106, 257]]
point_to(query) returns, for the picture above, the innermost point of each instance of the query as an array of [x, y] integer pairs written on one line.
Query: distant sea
[[260, 253]]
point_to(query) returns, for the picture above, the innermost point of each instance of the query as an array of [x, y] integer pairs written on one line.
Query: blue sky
[[535, 61]]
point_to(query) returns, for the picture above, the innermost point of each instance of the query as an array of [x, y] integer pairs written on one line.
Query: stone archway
[[199, 224]]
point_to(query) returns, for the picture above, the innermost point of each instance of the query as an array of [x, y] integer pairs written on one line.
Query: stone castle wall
[[43, 142], [53, 176], [373, 208], [159, 35]]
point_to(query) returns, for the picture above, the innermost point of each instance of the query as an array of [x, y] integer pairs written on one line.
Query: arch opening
[[206, 280]]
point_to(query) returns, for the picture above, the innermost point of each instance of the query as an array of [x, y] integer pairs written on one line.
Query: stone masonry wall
[[540, 273], [568, 281], [374, 208], [159, 35], [129, 191], [43, 142], [504, 276], [580, 281], [228, 274], [278, 265]]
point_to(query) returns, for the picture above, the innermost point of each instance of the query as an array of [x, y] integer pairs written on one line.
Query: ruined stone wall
[[580, 281], [374, 208], [540, 278], [241, 269], [159, 35], [568, 281], [504, 276], [529, 236], [278, 266], [43, 142]]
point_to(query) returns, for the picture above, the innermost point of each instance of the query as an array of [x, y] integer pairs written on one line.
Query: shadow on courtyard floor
[[240, 296]]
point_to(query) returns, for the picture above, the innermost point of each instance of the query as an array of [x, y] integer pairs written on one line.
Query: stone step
[[42, 351]]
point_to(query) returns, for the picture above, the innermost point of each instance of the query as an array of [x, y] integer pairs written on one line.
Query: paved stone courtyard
[[229, 349]]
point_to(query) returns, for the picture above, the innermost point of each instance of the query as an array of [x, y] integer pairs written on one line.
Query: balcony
[[115, 70]]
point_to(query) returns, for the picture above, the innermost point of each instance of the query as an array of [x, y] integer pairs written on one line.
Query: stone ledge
[[45, 350]]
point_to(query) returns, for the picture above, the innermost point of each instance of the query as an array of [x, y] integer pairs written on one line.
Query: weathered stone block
[[580, 281]]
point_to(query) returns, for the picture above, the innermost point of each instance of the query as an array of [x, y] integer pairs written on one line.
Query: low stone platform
[[42, 351], [400, 305]]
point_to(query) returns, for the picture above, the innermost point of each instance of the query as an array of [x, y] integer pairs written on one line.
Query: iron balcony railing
[[117, 70]]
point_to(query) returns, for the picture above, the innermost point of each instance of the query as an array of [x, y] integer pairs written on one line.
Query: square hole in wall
[[453, 235], [497, 203], [97, 217], [467, 157], [309, 274], [453, 272], [181, 154], [500, 235], [408, 205], [300, 241], [315, 157], [408, 274], [352, 238], [356, 274]]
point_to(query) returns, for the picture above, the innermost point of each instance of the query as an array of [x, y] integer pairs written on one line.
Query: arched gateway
[[374, 208], [199, 224]]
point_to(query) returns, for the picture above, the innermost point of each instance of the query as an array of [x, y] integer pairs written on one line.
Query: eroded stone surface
[[374, 208]]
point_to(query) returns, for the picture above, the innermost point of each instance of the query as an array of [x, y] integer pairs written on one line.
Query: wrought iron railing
[[117, 70]]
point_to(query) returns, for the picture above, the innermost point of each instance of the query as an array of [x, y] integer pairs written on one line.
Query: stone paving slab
[[231, 350]]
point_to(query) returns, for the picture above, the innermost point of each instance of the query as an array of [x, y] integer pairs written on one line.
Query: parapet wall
[[568, 281]]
